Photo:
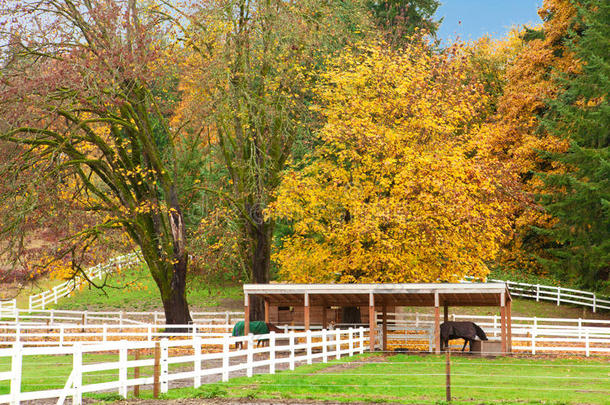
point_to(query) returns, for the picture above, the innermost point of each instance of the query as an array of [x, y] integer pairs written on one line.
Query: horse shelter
[[380, 297]]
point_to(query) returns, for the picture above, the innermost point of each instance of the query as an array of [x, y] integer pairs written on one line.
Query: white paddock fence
[[559, 295], [529, 334], [109, 367], [55, 316], [8, 305], [40, 301]]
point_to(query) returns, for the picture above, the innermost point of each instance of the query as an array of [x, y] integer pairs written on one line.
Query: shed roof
[[412, 294]]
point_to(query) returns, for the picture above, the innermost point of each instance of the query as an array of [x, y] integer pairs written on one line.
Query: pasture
[[404, 378]]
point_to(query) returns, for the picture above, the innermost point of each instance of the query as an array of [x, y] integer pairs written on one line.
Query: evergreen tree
[[579, 198]]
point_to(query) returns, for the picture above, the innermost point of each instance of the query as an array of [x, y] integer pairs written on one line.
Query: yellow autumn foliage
[[394, 194]]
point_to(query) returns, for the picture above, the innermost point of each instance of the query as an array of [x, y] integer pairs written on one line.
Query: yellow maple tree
[[393, 193], [514, 136]]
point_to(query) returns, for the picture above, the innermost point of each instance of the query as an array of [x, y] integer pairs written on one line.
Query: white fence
[[8, 305], [559, 295], [54, 316], [171, 361], [40, 301], [529, 334]]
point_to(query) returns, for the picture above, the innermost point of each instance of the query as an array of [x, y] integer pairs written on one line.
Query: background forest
[[235, 141]]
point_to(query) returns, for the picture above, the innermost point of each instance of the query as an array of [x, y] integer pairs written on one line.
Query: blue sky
[[472, 19]]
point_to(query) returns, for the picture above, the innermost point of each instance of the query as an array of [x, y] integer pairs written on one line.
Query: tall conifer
[[579, 198]]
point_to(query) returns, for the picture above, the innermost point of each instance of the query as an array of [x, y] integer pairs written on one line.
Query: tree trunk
[[261, 234], [175, 304]]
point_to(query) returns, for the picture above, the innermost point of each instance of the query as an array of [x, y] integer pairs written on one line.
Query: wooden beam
[[503, 322], [384, 309], [445, 312], [266, 310], [437, 324], [324, 325], [372, 323], [306, 311]]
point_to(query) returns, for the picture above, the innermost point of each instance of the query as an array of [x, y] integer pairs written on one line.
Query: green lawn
[[421, 379], [51, 372], [134, 290], [376, 378]]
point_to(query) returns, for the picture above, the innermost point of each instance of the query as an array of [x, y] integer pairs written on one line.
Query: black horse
[[468, 331]]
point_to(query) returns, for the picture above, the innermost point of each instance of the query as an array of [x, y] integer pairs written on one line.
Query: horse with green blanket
[[256, 328]]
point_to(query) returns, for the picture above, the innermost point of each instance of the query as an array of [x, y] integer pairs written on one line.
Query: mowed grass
[[134, 289], [421, 379], [52, 372]]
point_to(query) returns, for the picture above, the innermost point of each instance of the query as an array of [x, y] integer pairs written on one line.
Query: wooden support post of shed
[[306, 311], [445, 312], [372, 322], [509, 325], [266, 310], [324, 324], [437, 323], [503, 321], [385, 327]]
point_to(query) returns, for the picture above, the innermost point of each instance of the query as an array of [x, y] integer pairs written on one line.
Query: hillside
[[135, 290]]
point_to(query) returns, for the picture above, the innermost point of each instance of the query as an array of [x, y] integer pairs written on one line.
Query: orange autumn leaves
[[396, 192]]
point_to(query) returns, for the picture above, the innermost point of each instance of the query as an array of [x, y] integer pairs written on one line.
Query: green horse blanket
[[256, 328]]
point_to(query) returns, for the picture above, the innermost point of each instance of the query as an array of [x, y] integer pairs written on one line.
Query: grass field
[[421, 379], [400, 378], [134, 289]]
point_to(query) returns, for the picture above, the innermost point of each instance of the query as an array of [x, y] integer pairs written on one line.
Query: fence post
[[324, 348], [16, 370], [197, 365], [157, 368], [104, 333], [587, 342], [225, 359], [308, 341], [558, 295], [17, 333], [164, 365], [338, 343], [150, 333], [227, 319], [52, 320], [136, 375], [448, 375], [350, 341], [291, 342], [495, 325], [594, 303], [579, 328], [250, 355], [537, 292], [123, 369], [534, 339], [272, 353], [30, 301], [361, 339], [77, 372]]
